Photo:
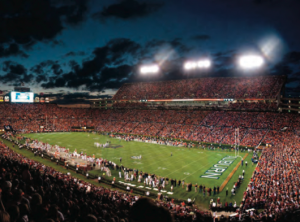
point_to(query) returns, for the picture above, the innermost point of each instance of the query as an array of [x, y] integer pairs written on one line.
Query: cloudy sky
[[92, 45]]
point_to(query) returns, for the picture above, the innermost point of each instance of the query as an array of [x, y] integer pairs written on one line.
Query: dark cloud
[[121, 49], [56, 69], [117, 73], [29, 21], [292, 58], [12, 67], [281, 68], [262, 1], [122, 45], [127, 9], [60, 82], [224, 60], [57, 43], [100, 70], [37, 69], [177, 44], [15, 73], [46, 69], [93, 66], [74, 11], [27, 78], [69, 54], [74, 65], [201, 37], [49, 84], [294, 78], [40, 78], [47, 63], [11, 50], [114, 51], [220, 54]]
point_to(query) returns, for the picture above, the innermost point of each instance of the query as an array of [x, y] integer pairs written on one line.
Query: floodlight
[[190, 65], [204, 63], [201, 64], [149, 69], [251, 61]]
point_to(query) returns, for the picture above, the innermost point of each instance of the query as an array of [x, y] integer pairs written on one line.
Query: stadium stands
[[267, 87], [274, 187], [201, 126]]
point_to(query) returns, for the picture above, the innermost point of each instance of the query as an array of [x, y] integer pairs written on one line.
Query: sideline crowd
[[194, 125]]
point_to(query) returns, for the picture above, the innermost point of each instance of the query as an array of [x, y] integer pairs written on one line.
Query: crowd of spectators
[[266, 87], [275, 184], [195, 125], [130, 105], [258, 106], [33, 192]]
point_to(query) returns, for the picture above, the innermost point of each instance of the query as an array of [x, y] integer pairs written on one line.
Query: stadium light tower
[[201, 64], [149, 69], [251, 61]]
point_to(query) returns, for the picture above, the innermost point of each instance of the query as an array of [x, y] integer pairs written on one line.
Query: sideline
[[231, 174]]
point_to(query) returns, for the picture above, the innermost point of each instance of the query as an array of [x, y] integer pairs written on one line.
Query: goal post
[[237, 142]]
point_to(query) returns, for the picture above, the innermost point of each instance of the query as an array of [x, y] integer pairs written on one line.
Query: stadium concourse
[[274, 186]]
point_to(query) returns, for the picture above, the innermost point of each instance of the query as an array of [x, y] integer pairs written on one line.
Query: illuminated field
[[194, 165]]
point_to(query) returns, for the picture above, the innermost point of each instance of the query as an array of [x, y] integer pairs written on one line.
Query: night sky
[[97, 45]]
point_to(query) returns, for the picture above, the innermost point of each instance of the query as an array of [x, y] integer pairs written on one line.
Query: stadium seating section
[[267, 87], [202, 126], [274, 186]]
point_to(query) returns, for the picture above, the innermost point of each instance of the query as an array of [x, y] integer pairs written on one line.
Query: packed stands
[[274, 186], [195, 125], [263, 87], [32, 191]]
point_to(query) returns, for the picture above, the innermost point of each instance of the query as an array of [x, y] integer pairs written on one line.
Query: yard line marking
[[197, 170], [194, 161], [183, 167], [168, 158]]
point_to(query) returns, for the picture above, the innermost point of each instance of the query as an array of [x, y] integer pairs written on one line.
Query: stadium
[[149, 110], [223, 146]]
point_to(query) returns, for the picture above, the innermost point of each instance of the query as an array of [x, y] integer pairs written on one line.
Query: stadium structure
[[204, 112]]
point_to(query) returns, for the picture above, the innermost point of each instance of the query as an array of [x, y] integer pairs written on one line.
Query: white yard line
[[197, 170], [183, 167], [168, 158]]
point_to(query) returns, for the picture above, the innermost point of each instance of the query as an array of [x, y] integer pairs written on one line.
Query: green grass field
[[184, 164]]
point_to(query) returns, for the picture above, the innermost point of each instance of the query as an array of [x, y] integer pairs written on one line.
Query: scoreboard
[[22, 97]]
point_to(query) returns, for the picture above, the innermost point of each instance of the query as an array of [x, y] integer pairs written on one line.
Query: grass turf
[[184, 164]]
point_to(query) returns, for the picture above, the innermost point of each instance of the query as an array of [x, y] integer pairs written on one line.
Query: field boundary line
[[231, 174]]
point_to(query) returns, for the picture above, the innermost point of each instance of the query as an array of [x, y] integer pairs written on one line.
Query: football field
[[194, 165]]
